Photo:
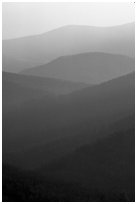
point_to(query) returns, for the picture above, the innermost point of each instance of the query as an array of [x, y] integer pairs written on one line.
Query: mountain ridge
[[41, 49], [90, 67], [77, 118], [71, 25]]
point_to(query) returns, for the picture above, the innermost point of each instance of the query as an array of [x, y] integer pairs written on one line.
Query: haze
[[23, 19], [68, 102]]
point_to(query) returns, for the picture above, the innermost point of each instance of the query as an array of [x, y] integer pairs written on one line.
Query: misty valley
[[68, 116]]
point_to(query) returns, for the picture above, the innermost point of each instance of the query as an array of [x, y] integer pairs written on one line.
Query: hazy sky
[[22, 19]]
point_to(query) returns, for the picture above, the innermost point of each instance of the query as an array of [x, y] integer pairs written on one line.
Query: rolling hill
[[18, 89], [107, 165], [67, 40], [46, 129], [92, 68], [12, 64], [79, 146], [45, 84]]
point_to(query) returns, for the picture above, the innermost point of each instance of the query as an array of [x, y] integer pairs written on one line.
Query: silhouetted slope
[[24, 186], [93, 68], [46, 129], [12, 64], [28, 186], [100, 172], [39, 84], [109, 164], [14, 95], [18, 89], [69, 40]]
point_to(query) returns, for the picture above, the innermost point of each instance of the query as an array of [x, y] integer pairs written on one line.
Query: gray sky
[[22, 19]]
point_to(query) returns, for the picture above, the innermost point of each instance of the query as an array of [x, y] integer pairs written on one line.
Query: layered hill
[[68, 40], [108, 165], [46, 129], [17, 89], [12, 63], [45, 84], [92, 68]]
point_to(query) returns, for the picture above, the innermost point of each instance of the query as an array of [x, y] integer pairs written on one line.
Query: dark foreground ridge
[[23, 186], [83, 146]]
